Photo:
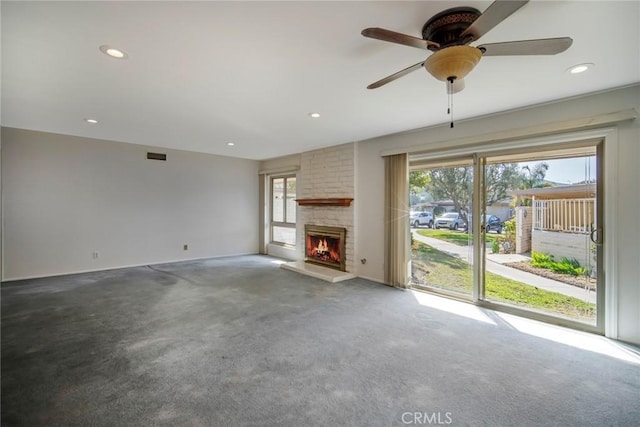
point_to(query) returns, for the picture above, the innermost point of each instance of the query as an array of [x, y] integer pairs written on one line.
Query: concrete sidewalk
[[495, 265]]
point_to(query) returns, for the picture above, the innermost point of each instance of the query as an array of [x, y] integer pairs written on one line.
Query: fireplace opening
[[325, 246]]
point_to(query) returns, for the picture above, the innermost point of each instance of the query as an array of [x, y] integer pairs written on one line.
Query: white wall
[[370, 184], [66, 197], [369, 212], [628, 236], [559, 244], [501, 211]]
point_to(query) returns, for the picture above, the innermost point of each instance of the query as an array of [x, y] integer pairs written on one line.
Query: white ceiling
[[201, 74]]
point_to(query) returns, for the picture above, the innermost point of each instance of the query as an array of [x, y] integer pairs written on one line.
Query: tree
[[418, 180], [533, 177], [500, 178], [456, 184]]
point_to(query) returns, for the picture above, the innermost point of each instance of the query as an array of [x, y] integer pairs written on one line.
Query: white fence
[[565, 215]]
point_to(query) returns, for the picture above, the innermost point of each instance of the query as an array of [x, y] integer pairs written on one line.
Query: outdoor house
[[559, 222]]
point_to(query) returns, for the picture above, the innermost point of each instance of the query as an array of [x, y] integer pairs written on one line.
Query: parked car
[[421, 218], [492, 222], [450, 220]]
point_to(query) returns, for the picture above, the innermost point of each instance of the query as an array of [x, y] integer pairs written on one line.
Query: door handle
[[595, 235]]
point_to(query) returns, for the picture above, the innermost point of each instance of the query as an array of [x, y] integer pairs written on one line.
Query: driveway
[[494, 265]]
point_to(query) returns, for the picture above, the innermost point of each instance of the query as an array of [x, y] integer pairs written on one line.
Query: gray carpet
[[239, 341]]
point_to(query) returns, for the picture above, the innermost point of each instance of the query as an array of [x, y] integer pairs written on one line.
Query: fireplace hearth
[[325, 246]]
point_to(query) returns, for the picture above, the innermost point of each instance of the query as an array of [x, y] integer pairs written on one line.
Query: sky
[[569, 171]]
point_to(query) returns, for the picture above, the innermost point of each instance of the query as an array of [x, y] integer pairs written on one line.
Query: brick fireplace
[[326, 187], [325, 197], [325, 246]]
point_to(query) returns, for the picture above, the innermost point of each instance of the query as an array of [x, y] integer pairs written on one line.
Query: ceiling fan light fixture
[[455, 87], [454, 61]]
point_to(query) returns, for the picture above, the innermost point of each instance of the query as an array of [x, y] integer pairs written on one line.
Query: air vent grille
[[157, 156]]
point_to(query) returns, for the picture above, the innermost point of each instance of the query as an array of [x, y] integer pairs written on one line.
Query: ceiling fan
[[448, 35]]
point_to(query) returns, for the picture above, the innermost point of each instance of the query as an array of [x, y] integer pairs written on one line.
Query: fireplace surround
[[325, 246]]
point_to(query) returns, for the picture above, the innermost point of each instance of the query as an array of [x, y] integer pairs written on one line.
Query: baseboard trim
[[371, 279], [43, 276]]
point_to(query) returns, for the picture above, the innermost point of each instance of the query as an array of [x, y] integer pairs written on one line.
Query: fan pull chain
[[450, 92]]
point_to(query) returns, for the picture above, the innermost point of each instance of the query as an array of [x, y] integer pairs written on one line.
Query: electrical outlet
[[96, 255], [185, 247]]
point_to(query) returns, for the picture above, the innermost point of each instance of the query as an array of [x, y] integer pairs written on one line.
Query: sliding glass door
[[541, 232], [537, 246], [441, 233]]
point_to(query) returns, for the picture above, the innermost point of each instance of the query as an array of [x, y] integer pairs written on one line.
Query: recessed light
[[580, 68], [92, 121], [314, 115], [230, 144], [113, 52]]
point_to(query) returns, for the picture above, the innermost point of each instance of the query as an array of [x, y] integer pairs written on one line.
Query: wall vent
[[157, 156]]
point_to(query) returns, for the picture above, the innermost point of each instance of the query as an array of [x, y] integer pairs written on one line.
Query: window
[[538, 250], [283, 210]]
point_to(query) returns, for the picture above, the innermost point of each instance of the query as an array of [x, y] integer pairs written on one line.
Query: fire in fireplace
[[325, 246]]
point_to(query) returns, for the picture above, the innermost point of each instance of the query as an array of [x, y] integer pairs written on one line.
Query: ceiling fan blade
[[497, 12], [393, 37], [527, 47], [457, 86], [394, 76]]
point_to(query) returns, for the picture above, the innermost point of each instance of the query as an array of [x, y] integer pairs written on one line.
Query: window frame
[[286, 223], [605, 140]]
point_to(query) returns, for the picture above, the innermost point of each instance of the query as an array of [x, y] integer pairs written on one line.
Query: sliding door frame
[[605, 139], [479, 261], [466, 161], [596, 145]]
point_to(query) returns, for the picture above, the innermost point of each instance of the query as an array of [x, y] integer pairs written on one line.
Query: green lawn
[[460, 238], [441, 270]]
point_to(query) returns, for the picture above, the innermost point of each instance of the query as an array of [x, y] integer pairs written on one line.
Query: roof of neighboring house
[[503, 202], [575, 191], [436, 203]]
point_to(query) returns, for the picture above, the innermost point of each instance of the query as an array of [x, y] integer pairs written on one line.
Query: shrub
[[565, 266], [509, 244], [495, 247], [572, 262], [542, 260]]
